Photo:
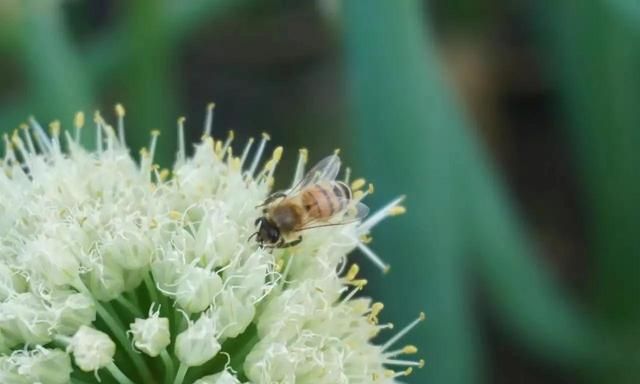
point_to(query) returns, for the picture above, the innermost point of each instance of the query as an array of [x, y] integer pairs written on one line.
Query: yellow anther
[[304, 154], [357, 195], [357, 184], [422, 316], [229, 153], [24, 126], [153, 223], [370, 189], [144, 152], [376, 308], [336, 151], [231, 135], [54, 128], [366, 239], [353, 272], [181, 119], [277, 154], [120, 110], [386, 269], [375, 376], [359, 283], [97, 117], [164, 174], [78, 120], [211, 106], [266, 136], [279, 265], [408, 371], [175, 215], [270, 165], [15, 139], [218, 147], [155, 132], [270, 182], [410, 350], [397, 210], [389, 373], [236, 164], [421, 363]]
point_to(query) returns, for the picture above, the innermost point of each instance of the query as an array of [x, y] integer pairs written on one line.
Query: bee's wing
[[326, 170]]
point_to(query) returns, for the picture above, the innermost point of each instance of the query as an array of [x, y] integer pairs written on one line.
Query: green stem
[[182, 371], [118, 375], [119, 333], [135, 311], [151, 288], [168, 365]]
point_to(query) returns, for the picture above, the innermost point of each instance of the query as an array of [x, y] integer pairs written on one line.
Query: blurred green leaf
[[401, 123], [597, 55], [58, 84], [416, 140]]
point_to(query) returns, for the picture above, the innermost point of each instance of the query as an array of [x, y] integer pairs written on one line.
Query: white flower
[[91, 349], [39, 365], [199, 342], [151, 335], [91, 240]]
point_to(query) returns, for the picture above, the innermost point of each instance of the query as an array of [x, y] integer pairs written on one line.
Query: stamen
[[208, 121], [403, 331], [406, 363], [228, 142], [258, 155], [120, 112], [376, 308], [41, 136], [181, 148], [78, 123], [152, 146], [27, 138], [245, 151], [54, 129], [388, 210], [9, 154], [373, 257], [406, 350], [358, 184], [347, 175], [97, 118], [303, 156], [270, 167]]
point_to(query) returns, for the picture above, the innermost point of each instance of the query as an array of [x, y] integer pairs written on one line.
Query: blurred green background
[[512, 126]]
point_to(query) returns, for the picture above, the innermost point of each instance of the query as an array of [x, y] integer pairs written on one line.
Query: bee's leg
[[271, 198], [292, 243]]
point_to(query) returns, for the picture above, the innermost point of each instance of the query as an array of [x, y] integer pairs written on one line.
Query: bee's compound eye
[[274, 234]]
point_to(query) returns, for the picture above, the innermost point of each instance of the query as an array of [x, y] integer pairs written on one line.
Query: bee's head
[[267, 232]]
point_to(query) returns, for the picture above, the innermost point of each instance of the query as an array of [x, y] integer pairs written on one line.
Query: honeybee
[[317, 200]]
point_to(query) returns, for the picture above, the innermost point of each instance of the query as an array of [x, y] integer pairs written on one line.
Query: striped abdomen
[[321, 201]]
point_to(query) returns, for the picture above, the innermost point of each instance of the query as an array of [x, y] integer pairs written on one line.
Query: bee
[[317, 200]]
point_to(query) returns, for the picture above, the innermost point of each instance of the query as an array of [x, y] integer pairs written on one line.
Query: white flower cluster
[[90, 241]]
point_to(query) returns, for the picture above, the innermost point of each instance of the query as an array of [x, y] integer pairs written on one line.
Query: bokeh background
[[513, 127]]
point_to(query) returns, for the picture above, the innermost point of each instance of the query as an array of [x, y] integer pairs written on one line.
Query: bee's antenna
[[252, 236]]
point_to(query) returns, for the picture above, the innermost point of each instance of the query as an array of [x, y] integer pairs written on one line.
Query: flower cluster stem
[[121, 336], [182, 371], [118, 374], [168, 366]]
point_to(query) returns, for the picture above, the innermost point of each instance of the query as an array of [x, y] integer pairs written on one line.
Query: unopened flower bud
[[196, 289], [91, 349], [198, 343], [51, 366], [223, 377], [151, 335]]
